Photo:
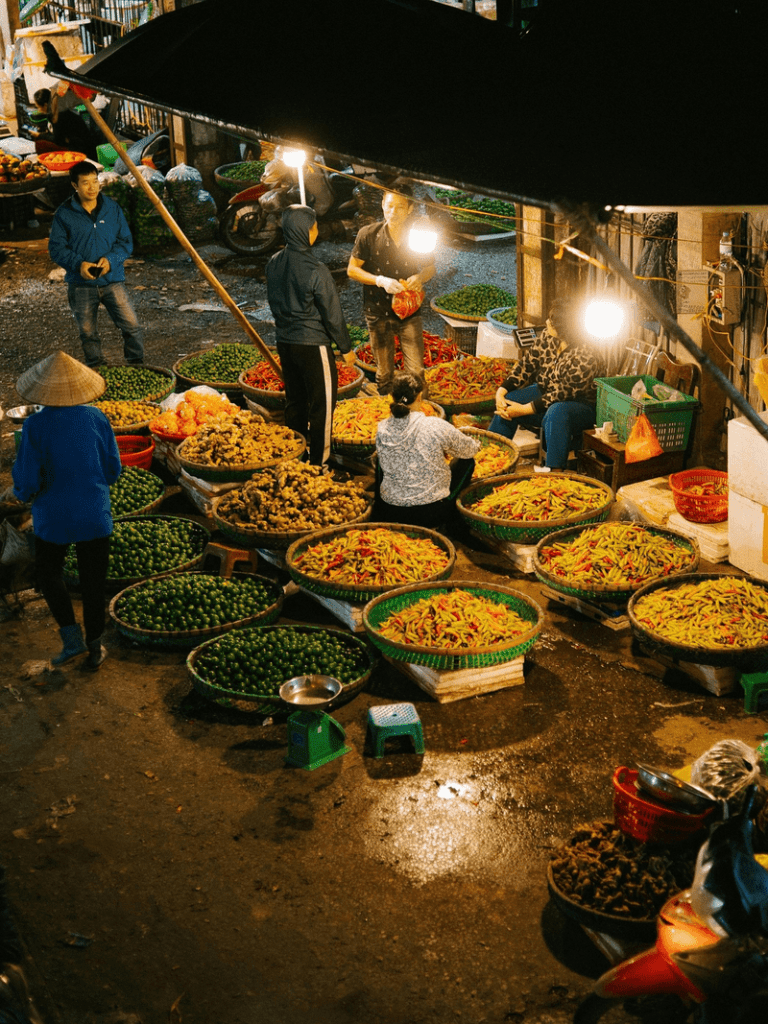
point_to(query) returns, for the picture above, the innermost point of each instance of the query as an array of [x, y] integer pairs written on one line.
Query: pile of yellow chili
[[492, 459], [467, 380], [615, 554], [540, 498], [724, 613], [456, 620], [356, 419], [373, 557]]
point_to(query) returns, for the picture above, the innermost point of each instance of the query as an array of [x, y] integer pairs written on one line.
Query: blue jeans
[[562, 424], [84, 301], [382, 331]]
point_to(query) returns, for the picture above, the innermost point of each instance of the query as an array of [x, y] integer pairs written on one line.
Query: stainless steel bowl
[[312, 693], [22, 412], [671, 790]]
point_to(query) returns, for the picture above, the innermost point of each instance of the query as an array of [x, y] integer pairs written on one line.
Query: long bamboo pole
[[197, 259]]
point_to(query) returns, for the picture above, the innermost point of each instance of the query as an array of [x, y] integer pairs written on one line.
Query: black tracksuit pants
[[311, 385]]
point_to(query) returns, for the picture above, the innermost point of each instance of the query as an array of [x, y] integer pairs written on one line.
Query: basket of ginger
[[189, 415]]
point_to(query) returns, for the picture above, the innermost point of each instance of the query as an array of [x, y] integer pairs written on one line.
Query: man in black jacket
[[308, 320]]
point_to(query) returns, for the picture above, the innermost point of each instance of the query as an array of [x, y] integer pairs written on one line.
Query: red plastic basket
[[135, 450], [647, 820], [700, 508]]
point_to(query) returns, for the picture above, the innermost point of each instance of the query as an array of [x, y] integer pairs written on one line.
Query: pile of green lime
[[221, 365], [475, 300], [508, 315], [466, 202], [193, 601], [247, 170], [358, 335], [144, 547], [134, 383], [260, 659], [133, 490]]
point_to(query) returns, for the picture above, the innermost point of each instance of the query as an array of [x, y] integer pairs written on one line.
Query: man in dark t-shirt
[[384, 264], [67, 129]]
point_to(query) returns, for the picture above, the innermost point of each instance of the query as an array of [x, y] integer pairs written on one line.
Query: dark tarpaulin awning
[[640, 105]]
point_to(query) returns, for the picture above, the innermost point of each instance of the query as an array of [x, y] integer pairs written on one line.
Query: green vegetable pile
[[134, 383], [466, 202], [221, 365], [475, 300], [260, 659], [508, 315], [248, 170], [192, 601], [358, 335], [133, 490], [146, 547]]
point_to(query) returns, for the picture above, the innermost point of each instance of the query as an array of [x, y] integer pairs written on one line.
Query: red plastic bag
[[642, 442], [406, 303]]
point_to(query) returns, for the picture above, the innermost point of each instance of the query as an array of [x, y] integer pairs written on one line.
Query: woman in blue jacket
[[67, 459]]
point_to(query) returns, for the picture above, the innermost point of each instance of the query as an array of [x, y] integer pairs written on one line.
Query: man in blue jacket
[[91, 240], [308, 320]]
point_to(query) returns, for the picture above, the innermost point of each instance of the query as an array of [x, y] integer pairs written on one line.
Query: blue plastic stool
[[388, 720], [753, 684]]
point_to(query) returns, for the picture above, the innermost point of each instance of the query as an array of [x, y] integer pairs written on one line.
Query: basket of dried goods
[[251, 664], [504, 319], [283, 503], [218, 367], [453, 625], [472, 302], [188, 415], [129, 416], [355, 423], [704, 618], [136, 383], [19, 175], [528, 506], [611, 561], [262, 384], [700, 495], [648, 819], [357, 563], [145, 546], [187, 608], [236, 447], [467, 385], [613, 884], [498, 455], [136, 491], [436, 350]]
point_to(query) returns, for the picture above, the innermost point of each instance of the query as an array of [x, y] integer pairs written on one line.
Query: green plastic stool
[[388, 720], [753, 684]]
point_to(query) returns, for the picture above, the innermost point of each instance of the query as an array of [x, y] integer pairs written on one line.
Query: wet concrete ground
[[166, 866]]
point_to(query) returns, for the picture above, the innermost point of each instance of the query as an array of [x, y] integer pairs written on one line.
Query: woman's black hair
[[42, 97], [405, 391]]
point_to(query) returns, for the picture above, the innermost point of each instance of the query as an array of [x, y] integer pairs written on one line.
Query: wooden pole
[[197, 259]]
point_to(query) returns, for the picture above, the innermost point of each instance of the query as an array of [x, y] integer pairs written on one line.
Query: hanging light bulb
[[603, 318], [295, 158], [422, 236]]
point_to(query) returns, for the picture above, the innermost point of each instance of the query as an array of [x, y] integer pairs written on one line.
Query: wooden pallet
[[607, 614], [519, 555], [447, 686]]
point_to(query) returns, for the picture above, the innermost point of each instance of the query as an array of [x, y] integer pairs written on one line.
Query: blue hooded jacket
[[77, 237], [300, 290]]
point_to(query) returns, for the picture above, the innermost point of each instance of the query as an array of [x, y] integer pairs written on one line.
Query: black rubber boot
[[97, 652], [74, 644]]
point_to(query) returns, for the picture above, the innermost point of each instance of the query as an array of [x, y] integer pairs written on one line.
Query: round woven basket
[[349, 690], [700, 508], [380, 608], [748, 659], [272, 540], [486, 439], [231, 185], [276, 399], [228, 474], [528, 531], [228, 387], [140, 427], [362, 450], [160, 395], [185, 639], [435, 304], [604, 592], [150, 506], [20, 188], [364, 592], [482, 403]]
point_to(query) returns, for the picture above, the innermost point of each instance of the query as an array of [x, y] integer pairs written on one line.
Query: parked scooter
[[712, 939], [250, 224]]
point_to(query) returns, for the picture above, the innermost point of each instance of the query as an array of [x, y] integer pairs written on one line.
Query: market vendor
[[383, 262], [552, 387], [67, 459], [68, 130], [413, 452], [308, 321]]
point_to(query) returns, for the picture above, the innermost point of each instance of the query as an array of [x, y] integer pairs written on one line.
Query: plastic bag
[[639, 391], [726, 769], [406, 303], [15, 546], [664, 393], [642, 442]]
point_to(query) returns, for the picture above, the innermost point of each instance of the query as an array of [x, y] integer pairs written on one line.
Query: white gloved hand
[[389, 284]]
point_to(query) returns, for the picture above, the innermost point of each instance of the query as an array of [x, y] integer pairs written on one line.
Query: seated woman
[[413, 449], [552, 387]]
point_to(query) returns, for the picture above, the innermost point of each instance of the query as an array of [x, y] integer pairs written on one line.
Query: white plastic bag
[[726, 769], [174, 400]]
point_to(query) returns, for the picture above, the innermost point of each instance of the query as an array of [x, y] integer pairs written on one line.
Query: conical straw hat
[[60, 380]]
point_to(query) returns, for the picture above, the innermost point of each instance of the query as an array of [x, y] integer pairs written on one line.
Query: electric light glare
[[603, 319], [294, 157], [422, 239]]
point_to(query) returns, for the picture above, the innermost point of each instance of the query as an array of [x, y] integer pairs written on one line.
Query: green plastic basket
[[671, 420], [380, 608]]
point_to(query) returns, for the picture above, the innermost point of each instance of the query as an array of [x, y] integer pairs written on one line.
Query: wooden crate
[[448, 686]]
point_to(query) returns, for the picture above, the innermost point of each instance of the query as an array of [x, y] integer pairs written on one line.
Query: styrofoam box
[[493, 342], [748, 535], [748, 460]]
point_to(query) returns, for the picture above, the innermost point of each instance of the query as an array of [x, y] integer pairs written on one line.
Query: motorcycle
[[711, 947], [250, 223]]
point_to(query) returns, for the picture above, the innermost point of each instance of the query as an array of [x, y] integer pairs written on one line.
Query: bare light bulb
[[603, 319], [294, 157], [422, 237]]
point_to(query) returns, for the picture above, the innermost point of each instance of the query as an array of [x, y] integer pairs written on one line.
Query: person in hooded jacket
[[413, 449], [308, 320]]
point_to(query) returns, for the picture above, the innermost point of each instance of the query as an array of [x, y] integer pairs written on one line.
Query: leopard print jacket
[[569, 376]]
